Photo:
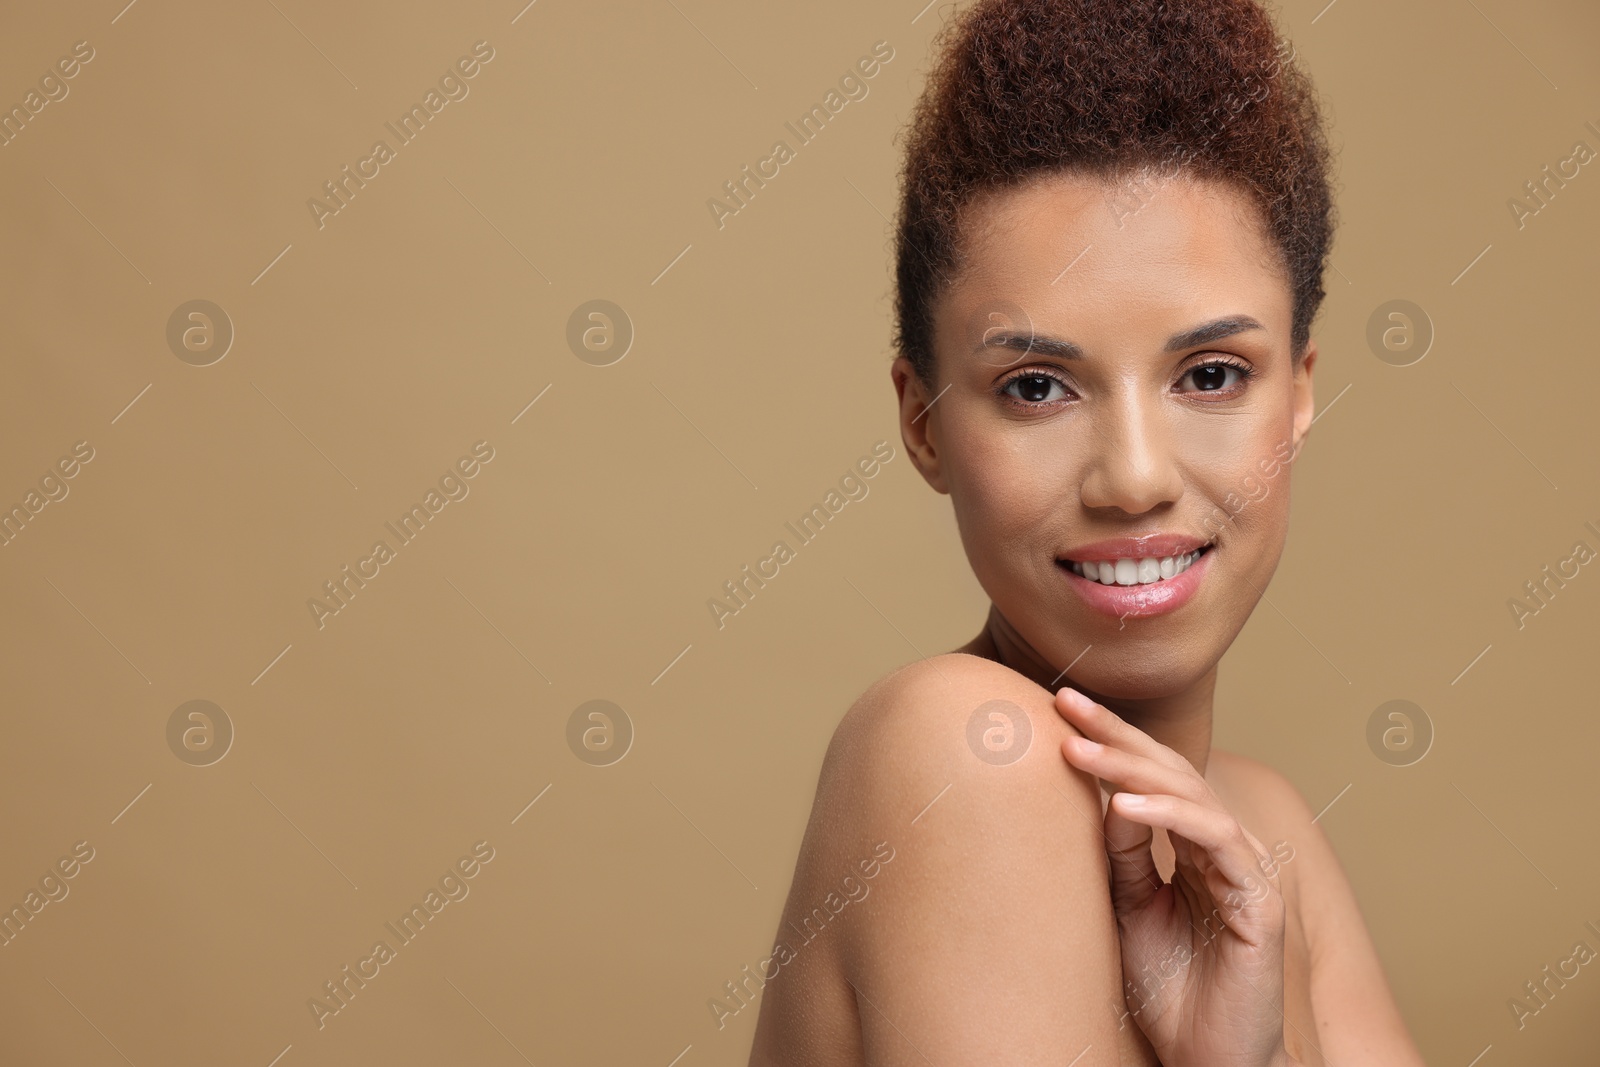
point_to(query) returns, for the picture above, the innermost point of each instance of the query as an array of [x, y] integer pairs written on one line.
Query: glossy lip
[[1139, 601], [1155, 546]]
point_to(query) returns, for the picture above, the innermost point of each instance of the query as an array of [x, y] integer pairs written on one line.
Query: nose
[[1131, 464]]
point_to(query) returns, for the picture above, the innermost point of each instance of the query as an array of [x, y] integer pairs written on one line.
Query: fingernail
[[1132, 800]]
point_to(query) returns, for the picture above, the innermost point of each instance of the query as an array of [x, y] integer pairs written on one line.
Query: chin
[[1129, 675]]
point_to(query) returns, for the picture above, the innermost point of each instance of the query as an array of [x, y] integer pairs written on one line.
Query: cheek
[[1007, 496]]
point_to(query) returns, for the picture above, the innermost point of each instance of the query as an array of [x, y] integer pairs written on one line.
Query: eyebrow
[[1204, 334]]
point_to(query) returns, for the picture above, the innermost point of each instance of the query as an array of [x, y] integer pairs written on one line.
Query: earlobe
[[1304, 397], [917, 422]]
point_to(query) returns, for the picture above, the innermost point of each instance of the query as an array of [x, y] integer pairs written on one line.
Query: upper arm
[[990, 937], [1357, 1018]]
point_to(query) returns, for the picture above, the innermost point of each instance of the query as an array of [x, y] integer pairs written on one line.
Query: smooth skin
[[1028, 917]]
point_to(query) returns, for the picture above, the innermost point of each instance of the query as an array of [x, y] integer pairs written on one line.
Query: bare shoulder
[[941, 743], [1273, 809], [960, 732], [930, 704], [1358, 1020], [991, 878], [1256, 781]]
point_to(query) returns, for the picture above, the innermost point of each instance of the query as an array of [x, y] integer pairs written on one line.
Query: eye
[[1035, 387], [1222, 376]]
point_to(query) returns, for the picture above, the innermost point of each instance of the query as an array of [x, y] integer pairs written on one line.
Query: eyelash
[[1246, 374]]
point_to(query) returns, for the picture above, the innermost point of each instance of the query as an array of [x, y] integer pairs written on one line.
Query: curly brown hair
[[1109, 88]]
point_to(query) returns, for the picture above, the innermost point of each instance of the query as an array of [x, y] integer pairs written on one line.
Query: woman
[[1110, 250]]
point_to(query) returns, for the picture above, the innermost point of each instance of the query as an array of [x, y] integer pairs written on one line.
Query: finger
[[1217, 832], [1134, 877], [1099, 723], [1138, 774]]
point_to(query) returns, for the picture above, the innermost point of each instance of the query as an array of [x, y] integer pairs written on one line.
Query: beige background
[[373, 352]]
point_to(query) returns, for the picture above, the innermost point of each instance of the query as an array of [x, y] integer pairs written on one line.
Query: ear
[[918, 422], [1304, 401]]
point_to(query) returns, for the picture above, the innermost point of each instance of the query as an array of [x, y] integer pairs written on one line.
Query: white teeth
[[1142, 571]]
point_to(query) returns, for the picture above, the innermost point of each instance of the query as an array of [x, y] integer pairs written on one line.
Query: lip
[[1140, 601], [1155, 545]]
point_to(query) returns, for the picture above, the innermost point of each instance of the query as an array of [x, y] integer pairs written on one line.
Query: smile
[[1137, 579], [1142, 571]]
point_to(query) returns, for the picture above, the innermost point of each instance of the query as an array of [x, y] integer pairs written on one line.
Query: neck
[[1181, 720]]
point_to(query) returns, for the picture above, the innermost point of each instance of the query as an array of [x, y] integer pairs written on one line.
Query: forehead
[[1127, 255]]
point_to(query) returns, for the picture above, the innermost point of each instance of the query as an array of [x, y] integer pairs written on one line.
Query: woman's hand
[[1202, 956]]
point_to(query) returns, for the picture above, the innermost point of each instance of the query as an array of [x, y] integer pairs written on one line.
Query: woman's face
[[1115, 392]]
